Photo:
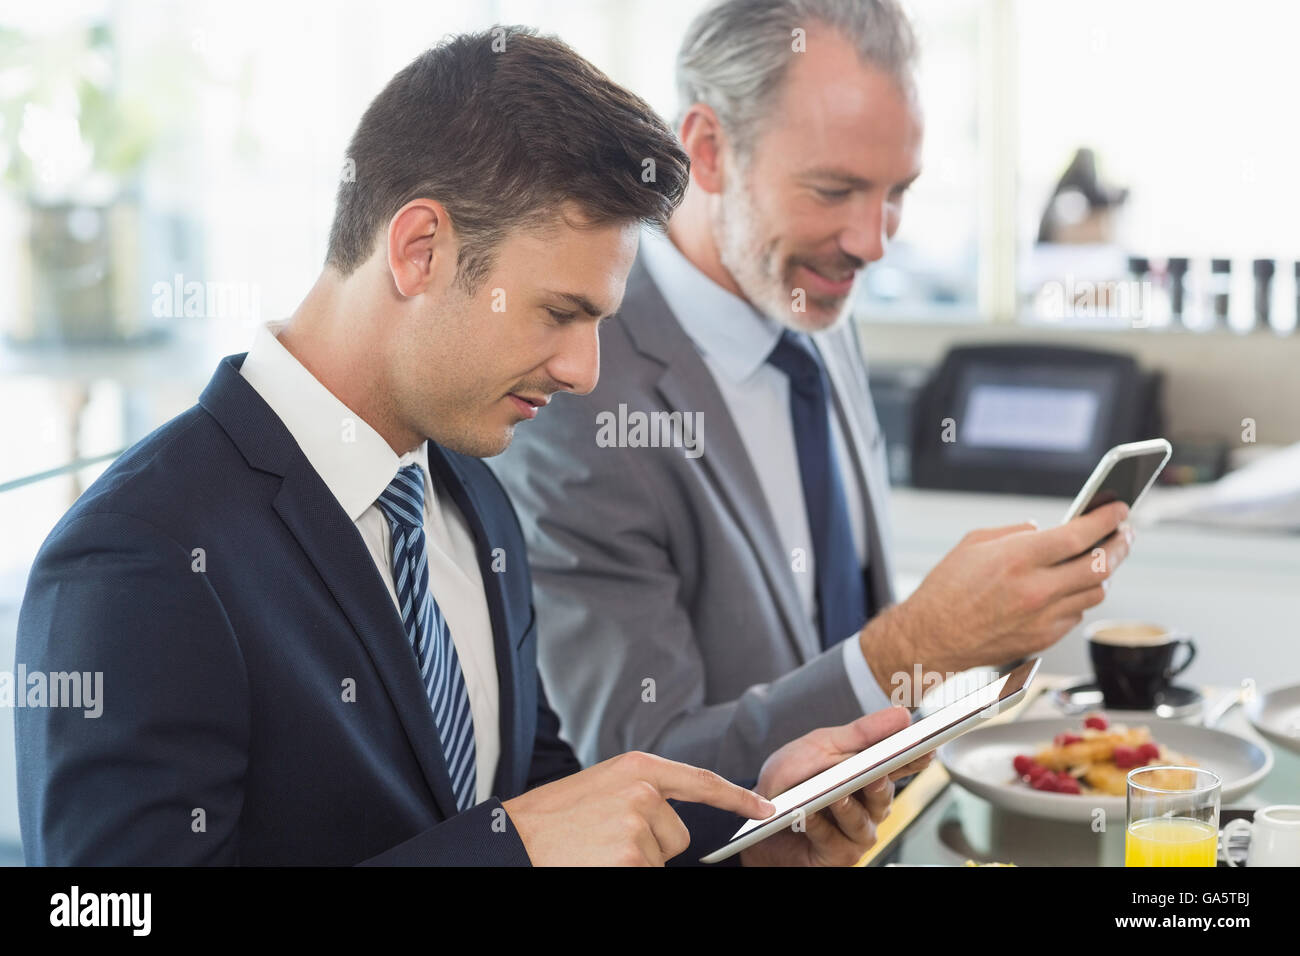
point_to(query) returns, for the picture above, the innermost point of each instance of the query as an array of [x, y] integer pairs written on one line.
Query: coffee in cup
[[1134, 661]]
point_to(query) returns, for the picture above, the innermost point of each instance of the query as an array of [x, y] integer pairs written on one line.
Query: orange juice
[[1171, 842]]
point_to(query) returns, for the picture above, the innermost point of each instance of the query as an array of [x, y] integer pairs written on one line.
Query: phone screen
[[1126, 480]]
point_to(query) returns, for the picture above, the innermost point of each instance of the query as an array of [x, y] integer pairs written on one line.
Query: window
[[1188, 107]]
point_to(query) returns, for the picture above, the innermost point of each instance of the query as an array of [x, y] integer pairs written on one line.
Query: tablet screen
[[913, 737]]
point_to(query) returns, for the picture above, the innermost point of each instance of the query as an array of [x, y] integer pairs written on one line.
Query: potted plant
[[71, 149]]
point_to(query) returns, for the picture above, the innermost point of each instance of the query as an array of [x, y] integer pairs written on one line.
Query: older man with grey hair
[[713, 575]]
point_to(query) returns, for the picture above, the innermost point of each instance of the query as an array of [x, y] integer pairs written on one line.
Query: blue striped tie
[[403, 505]]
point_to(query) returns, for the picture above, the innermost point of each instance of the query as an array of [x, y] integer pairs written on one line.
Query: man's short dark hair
[[501, 127]]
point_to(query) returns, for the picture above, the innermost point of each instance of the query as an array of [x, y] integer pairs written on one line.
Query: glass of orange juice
[[1173, 817]]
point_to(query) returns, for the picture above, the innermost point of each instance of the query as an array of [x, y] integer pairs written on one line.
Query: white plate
[[1276, 715], [981, 762]]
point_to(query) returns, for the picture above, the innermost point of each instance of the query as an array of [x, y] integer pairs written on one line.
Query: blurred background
[[1103, 176]]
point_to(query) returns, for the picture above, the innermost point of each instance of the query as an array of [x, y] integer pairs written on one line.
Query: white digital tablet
[[882, 758]]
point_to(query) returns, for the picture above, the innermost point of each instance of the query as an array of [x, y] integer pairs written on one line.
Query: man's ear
[[421, 247], [706, 144]]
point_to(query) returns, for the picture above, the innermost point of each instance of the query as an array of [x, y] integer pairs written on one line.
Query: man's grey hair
[[735, 53]]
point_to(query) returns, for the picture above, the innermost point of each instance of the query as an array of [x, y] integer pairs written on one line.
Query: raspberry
[[1126, 757], [1023, 764], [1068, 785], [1148, 751], [1046, 782], [1038, 771], [1096, 722], [1065, 739]]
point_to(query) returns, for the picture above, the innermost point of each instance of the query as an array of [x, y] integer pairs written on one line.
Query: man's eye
[[833, 195], [562, 316]]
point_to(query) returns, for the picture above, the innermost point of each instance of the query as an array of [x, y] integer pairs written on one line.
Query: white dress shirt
[[357, 464], [734, 339]]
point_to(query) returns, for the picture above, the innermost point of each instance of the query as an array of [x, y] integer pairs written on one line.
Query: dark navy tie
[[841, 585], [403, 505]]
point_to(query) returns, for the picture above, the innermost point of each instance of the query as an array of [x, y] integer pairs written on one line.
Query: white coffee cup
[[1274, 836]]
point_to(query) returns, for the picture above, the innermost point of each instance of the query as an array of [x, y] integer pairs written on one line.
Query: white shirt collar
[[726, 328], [353, 459]]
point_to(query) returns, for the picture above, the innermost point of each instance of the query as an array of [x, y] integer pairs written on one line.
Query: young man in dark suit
[[310, 601]]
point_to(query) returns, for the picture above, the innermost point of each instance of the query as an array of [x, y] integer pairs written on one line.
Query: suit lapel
[[333, 544], [687, 385], [335, 548]]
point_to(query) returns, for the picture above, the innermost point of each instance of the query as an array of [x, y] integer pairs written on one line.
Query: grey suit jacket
[[668, 617]]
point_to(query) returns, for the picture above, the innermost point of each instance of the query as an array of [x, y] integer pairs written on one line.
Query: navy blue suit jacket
[[261, 703]]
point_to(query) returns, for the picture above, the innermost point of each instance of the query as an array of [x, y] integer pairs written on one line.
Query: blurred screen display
[[1032, 418]]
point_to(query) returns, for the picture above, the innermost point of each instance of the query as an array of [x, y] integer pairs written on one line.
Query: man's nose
[[867, 237], [576, 366]]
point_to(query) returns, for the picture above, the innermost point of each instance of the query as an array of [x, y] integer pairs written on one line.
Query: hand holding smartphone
[[1123, 474]]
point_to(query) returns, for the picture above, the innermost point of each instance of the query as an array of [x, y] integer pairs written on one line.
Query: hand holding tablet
[[843, 831], [894, 753]]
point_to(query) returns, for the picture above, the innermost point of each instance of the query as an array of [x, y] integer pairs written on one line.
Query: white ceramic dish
[[1276, 715], [981, 762]]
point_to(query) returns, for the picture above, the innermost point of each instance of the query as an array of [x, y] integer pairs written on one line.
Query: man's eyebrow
[[849, 179], [579, 302]]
